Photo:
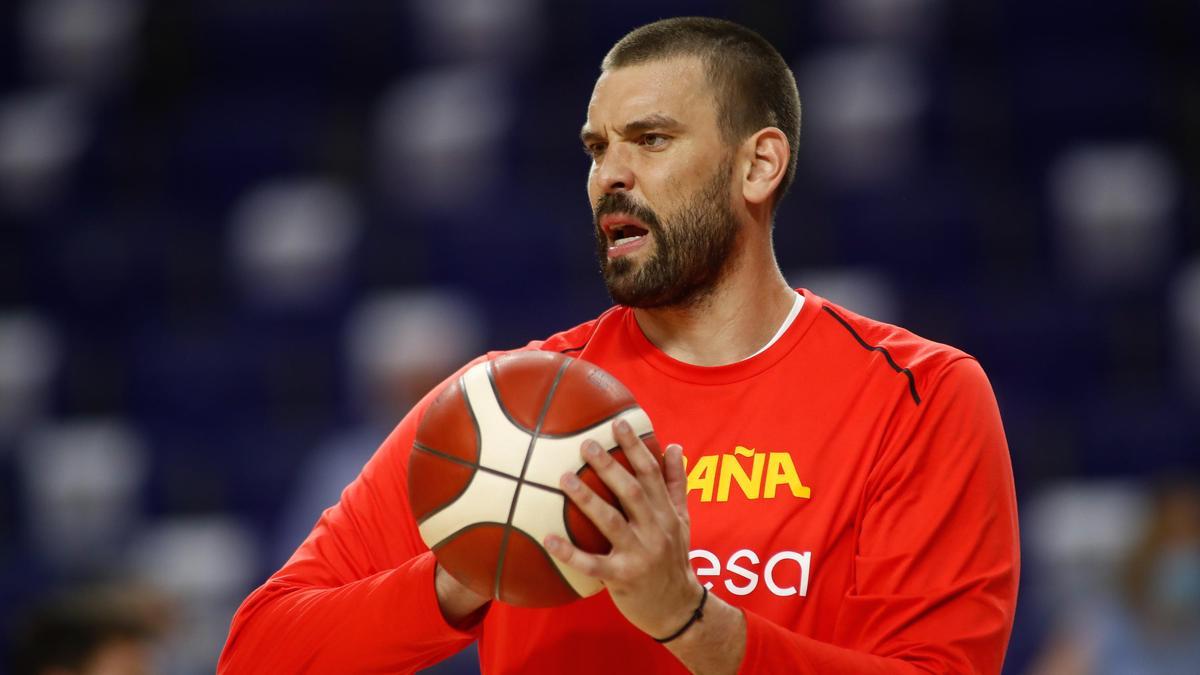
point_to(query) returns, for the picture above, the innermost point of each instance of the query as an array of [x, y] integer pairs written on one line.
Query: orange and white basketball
[[483, 476]]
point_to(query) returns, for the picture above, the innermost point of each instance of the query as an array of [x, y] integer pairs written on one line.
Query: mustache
[[621, 202]]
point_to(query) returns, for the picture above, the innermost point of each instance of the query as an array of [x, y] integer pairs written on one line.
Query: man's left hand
[[647, 572]]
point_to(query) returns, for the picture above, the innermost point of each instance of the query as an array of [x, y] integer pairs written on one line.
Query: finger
[[569, 554], [624, 485], [676, 479], [643, 461], [603, 515]]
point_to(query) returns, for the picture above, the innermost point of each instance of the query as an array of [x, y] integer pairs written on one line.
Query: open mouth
[[625, 233]]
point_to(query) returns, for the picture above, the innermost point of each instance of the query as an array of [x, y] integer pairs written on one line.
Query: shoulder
[[574, 339], [570, 341], [922, 361]]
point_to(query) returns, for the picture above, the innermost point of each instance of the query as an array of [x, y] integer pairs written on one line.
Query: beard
[[692, 251]]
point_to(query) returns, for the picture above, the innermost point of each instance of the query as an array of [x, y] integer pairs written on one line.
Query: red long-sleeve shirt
[[849, 488]]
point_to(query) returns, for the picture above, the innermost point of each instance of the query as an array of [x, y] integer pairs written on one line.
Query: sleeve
[[937, 559], [358, 595]]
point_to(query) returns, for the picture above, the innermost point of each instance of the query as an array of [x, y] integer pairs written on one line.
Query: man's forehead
[[676, 88]]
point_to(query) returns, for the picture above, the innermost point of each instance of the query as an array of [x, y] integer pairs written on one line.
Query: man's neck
[[731, 323]]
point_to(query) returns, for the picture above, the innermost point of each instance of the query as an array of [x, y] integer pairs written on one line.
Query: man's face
[[660, 184]]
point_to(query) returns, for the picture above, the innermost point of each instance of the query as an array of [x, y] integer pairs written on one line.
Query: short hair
[[753, 85]]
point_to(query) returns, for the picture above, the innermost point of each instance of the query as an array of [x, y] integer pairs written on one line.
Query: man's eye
[[595, 149], [654, 140]]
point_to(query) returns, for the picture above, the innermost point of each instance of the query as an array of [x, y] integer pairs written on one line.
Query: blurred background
[[238, 238]]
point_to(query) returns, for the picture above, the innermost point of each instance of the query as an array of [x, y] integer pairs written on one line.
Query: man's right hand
[[459, 604]]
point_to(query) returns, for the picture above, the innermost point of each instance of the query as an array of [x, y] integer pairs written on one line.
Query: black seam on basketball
[[466, 528], [593, 425], [912, 383], [463, 462], [512, 507], [480, 467], [543, 486], [457, 460], [462, 388], [566, 523], [445, 540], [417, 445], [500, 401], [553, 565]]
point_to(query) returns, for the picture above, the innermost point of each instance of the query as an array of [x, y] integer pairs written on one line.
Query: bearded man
[[884, 537]]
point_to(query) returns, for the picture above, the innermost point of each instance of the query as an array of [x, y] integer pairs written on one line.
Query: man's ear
[[768, 154]]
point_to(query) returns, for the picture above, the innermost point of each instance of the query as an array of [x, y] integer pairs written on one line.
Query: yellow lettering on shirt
[[781, 471], [760, 480], [731, 468], [702, 476]]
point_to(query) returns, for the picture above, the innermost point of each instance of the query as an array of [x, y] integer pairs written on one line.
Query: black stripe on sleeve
[[912, 383]]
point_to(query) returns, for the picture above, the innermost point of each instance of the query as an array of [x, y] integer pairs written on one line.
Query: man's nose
[[615, 172]]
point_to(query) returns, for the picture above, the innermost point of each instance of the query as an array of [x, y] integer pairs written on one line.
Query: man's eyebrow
[[638, 126], [588, 136], [650, 123]]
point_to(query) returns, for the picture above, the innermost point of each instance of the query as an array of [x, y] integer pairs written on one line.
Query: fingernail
[[624, 426], [551, 543], [591, 449], [572, 481]]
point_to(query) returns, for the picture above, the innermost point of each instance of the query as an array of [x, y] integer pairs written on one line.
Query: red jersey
[[849, 489]]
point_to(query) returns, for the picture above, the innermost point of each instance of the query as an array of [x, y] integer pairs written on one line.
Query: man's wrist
[[685, 622], [461, 607], [714, 644]]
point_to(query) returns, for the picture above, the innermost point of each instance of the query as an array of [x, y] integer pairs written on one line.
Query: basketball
[[486, 461]]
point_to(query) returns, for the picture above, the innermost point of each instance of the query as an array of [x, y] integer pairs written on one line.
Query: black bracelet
[[696, 616]]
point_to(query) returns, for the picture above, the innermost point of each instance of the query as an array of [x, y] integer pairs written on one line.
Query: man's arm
[[936, 564], [362, 593]]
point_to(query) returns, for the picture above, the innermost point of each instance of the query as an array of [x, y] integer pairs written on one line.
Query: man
[[848, 504]]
